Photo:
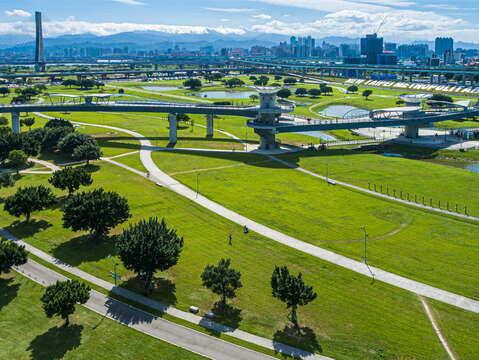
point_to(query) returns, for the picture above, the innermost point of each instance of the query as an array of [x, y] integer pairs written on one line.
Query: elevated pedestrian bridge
[[411, 117]]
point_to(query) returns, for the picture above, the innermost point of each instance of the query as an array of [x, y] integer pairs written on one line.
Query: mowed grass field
[[352, 318], [446, 184], [26, 332], [427, 247]]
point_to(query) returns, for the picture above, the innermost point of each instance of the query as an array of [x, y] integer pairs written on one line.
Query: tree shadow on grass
[[305, 340], [83, 248], [164, 290], [8, 292], [227, 314], [24, 229], [56, 342]]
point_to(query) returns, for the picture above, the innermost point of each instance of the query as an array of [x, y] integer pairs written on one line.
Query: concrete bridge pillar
[[173, 121], [411, 131], [16, 122], [267, 139], [210, 128]]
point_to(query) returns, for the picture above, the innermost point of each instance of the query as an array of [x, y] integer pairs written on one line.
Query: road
[[184, 337]]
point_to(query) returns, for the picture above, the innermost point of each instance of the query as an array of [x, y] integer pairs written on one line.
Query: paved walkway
[[416, 287], [184, 337], [206, 323]]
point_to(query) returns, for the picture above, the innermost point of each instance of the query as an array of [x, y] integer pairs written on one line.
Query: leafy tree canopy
[[291, 290], [149, 246], [11, 254], [70, 178], [60, 299], [96, 211], [221, 279], [29, 199]]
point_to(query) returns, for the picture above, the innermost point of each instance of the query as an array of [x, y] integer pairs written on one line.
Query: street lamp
[[197, 184], [366, 235], [365, 243], [115, 264]]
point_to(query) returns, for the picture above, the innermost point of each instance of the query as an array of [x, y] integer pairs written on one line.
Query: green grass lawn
[[427, 247], [418, 178], [379, 320], [26, 333]]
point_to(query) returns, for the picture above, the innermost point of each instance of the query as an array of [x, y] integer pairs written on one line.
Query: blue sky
[[405, 20]]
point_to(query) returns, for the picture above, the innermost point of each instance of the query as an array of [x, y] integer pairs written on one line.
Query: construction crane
[[381, 24]]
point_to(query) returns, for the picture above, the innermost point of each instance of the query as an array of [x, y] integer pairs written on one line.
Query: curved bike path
[[158, 176]]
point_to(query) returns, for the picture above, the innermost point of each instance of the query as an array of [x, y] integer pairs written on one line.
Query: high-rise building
[[413, 51], [371, 47], [442, 45], [390, 47], [39, 51]]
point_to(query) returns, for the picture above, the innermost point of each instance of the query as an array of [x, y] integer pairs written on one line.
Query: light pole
[[365, 244], [197, 184], [115, 264], [366, 235]]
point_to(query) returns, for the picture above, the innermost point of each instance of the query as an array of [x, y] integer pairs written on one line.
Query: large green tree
[[53, 135], [58, 123], [222, 280], [74, 139], [29, 121], [4, 91], [193, 83], [367, 93], [17, 159], [87, 151], [149, 246], [27, 200], [11, 254], [301, 91], [6, 180], [284, 93], [60, 299], [314, 92], [291, 290], [96, 211], [70, 178]]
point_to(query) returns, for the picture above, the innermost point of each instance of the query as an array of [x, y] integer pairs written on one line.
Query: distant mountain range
[[151, 40]]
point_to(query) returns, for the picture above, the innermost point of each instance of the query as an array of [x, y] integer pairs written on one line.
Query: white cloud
[[129, 2], [225, 20], [262, 16], [401, 25], [231, 10], [73, 27], [17, 12], [329, 5]]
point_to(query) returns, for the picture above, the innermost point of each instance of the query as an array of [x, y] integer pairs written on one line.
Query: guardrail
[[130, 103]]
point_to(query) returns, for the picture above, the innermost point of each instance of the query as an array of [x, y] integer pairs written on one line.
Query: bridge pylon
[[265, 122]]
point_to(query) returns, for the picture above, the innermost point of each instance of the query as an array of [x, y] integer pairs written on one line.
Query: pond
[[341, 110], [318, 134], [226, 94], [473, 167], [160, 88]]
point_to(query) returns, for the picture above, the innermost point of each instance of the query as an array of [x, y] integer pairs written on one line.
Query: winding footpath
[[158, 176], [190, 339]]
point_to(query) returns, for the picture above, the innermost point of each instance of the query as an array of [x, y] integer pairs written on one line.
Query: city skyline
[[404, 20]]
